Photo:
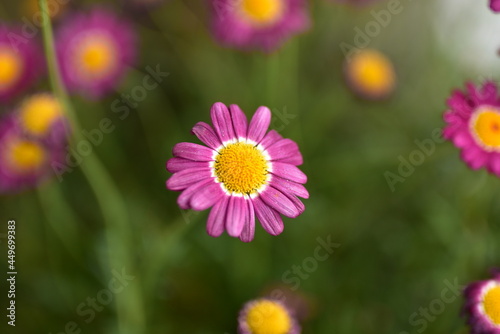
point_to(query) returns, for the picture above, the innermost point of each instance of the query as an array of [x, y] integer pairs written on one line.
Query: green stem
[[129, 303], [56, 211]]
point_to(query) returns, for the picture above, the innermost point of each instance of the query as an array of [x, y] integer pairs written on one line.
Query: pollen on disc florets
[[485, 127], [491, 304], [268, 317], [241, 167]]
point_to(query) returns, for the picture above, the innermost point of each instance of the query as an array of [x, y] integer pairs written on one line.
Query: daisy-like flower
[[41, 116], [267, 316], [243, 173], [258, 24], [20, 62], [473, 125], [495, 5], [24, 162], [94, 51], [482, 305], [370, 74]]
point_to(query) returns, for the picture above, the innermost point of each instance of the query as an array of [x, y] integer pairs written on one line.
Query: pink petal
[[221, 120], [259, 124], [474, 157], [285, 150], [462, 139], [289, 187], [269, 219], [494, 164], [270, 138], [193, 152], [185, 196], [240, 123], [495, 5], [235, 216], [183, 179], [206, 134], [175, 165], [206, 197], [217, 217], [281, 203], [289, 172], [249, 229]]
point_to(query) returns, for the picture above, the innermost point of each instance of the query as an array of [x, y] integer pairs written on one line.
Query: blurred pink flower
[[94, 51], [258, 24], [21, 62], [473, 125], [482, 305]]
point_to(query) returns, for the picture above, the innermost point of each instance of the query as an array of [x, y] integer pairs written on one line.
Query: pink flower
[[258, 24], [24, 161], [482, 305], [243, 173], [21, 62], [473, 125], [94, 51]]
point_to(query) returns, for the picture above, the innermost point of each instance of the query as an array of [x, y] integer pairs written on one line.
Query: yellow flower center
[[371, 73], [25, 155], [262, 12], [98, 56], [39, 112], [10, 67], [241, 167], [491, 304], [268, 317], [485, 126]]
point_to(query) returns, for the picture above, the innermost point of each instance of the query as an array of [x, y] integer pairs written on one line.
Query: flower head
[[267, 316], [243, 173], [473, 125], [495, 5], [41, 116], [20, 62], [258, 24], [24, 161], [482, 305], [94, 51], [370, 74]]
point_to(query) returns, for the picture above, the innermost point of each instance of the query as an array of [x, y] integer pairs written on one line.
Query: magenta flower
[[24, 162], [258, 24], [94, 51], [495, 5], [243, 173], [482, 305], [267, 316], [20, 62], [473, 125]]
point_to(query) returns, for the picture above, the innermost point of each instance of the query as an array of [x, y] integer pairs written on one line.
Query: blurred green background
[[396, 250]]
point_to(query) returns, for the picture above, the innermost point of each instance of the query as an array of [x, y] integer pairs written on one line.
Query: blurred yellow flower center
[[371, 73], [10, 67], [268, 317], [98, 55], [262, 11], [26, 155], [241, 167], [39, 112], [485, 124], [491, 304]]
